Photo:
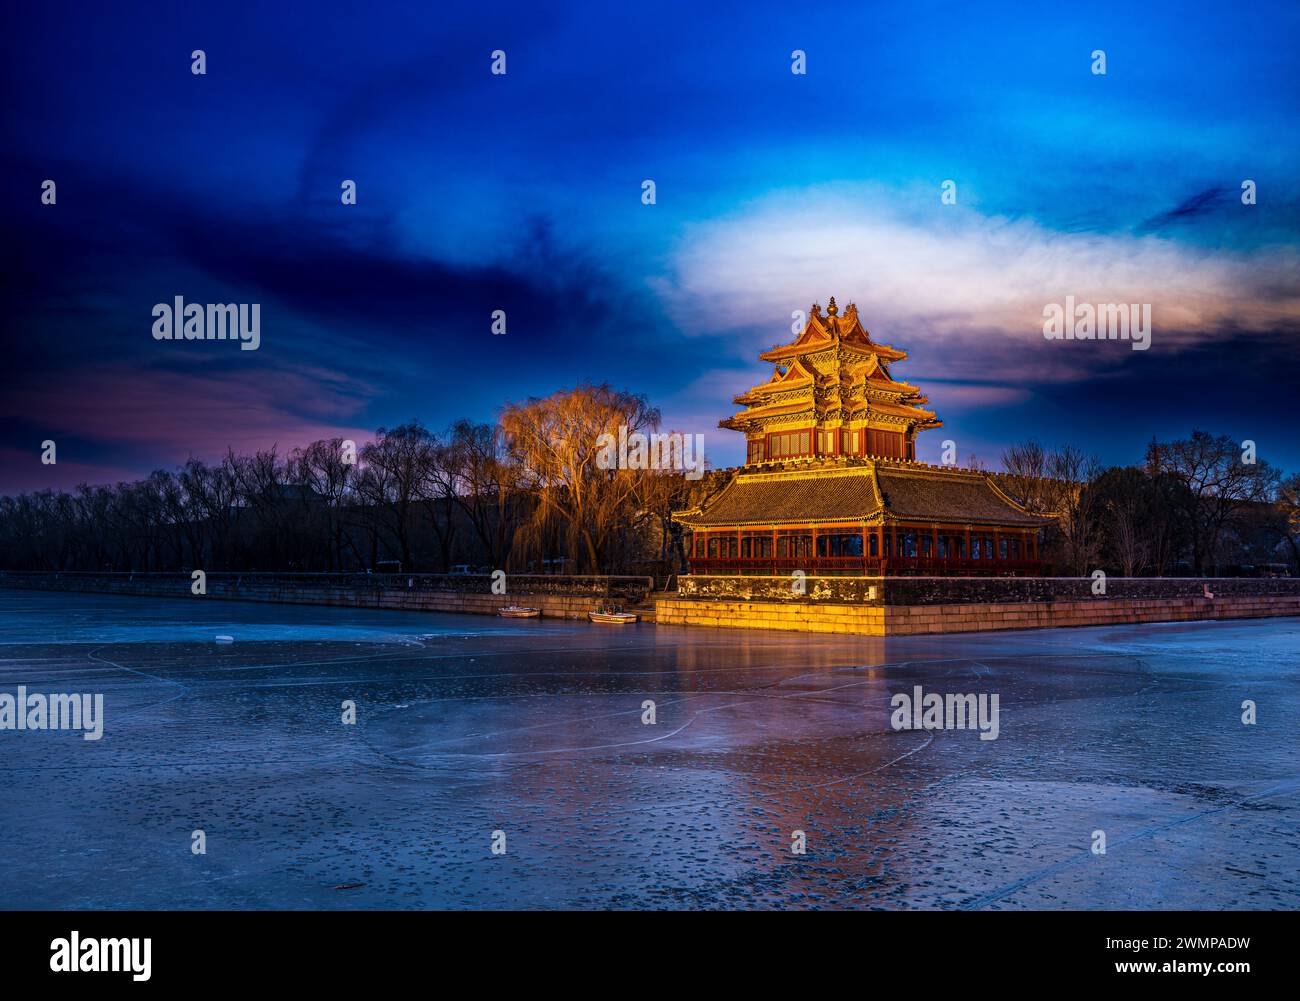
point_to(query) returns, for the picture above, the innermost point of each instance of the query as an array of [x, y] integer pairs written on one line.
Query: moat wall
[[892, 606], [466, 594], [899, 606]]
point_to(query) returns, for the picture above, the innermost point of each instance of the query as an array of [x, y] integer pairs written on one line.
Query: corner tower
[[831, 396]]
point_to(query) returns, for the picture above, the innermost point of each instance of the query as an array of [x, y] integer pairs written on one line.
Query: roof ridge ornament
[[831, 308]]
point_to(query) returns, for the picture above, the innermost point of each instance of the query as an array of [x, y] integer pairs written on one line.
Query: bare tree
[[1070, 474], [398, 461], [1217, 482], [489, 482], [1124, 502], [440, 496], [325, 467], [1025, 475]]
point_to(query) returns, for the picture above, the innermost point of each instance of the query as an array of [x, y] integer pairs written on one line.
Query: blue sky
[[523, 192]]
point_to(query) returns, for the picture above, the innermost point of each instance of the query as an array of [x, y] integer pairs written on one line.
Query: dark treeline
[[528, 495], [1196, 506]]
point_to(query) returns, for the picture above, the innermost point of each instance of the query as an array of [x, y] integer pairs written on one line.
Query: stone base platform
[[876, 607]]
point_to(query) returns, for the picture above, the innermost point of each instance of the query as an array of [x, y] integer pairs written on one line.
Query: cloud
[[171, 416], [953, 280]]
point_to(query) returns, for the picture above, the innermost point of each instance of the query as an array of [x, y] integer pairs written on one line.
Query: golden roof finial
[[816, 309], [831, 308]]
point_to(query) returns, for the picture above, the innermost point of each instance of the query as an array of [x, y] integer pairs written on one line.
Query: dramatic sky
[[522, 192]]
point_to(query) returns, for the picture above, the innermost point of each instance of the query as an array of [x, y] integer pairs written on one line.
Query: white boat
[[614, 618], [518, 612]]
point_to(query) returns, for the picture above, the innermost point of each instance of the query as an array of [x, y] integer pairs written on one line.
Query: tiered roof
[[834, 371], [869, 491]]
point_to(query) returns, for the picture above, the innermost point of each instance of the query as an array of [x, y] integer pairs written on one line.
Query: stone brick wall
[[975, 590], [907, 620], [903, 620], [827, 617], [961, 590], [863, 590], [370, 591]]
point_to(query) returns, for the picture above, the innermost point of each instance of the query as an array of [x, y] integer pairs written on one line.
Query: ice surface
[[467, 725]]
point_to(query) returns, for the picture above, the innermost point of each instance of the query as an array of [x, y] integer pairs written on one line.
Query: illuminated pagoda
[[831, 484]]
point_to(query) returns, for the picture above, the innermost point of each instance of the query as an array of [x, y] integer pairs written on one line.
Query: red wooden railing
[[864, 566]]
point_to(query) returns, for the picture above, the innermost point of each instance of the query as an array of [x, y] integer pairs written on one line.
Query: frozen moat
[[468, 726]]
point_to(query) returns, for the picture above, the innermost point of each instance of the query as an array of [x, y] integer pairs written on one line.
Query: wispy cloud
[[948, 277], [172, 416]]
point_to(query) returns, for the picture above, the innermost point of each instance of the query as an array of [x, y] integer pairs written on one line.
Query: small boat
[[615, 618], [518, 612]]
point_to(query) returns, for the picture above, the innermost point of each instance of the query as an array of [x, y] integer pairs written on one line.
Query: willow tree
[[557, 442]]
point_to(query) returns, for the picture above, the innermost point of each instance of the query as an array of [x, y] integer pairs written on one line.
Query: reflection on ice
[[465, 725]]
